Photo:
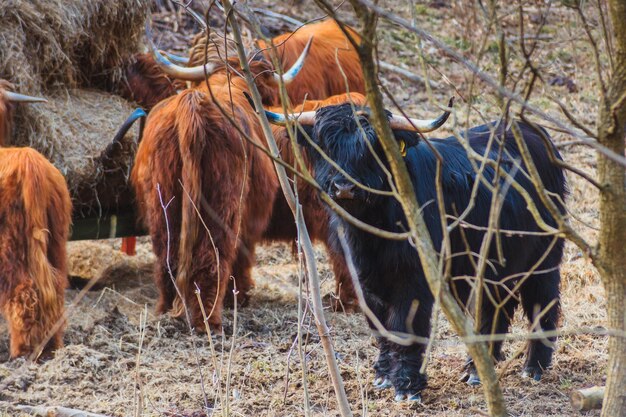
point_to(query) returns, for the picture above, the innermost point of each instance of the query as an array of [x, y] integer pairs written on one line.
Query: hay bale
[[70, 43], [72, 130], [53, 47]]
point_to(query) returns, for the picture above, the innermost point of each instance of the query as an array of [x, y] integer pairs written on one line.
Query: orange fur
[[282, 226], [6, 113], [145, 83], [310, 105], [225, 178], [321, 75], [35, 216]]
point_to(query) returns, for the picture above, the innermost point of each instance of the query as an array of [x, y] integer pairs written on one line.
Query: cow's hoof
[[532, 372], [382, 383], [470, 377], [473, 379], [415, 398]]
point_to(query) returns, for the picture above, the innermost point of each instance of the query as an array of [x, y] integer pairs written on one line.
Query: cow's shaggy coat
[[333, 66], [193, 169], [145, 84], [35, 216], [390, 271]]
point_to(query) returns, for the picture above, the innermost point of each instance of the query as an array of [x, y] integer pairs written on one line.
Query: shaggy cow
[[35, 217], [204, 192], [324, 80], [315, 215], [322, 77], [390, 271], [330, 54]]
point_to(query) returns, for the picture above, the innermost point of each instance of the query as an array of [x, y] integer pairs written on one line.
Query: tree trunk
[[612, 241], [478, 351], [587, 399]]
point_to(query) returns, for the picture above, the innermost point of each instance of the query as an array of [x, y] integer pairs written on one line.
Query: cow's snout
[[343, 190]]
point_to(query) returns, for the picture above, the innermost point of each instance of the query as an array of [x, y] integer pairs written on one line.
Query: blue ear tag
[[402, 148]]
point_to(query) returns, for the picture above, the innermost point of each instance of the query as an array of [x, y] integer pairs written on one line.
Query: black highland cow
[[390, 271]]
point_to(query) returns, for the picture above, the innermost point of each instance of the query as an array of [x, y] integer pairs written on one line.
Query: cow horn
[[16, 97], [419, 125], [290, 74], [176, 71], [110, 150], [306, 118], [177, 59]]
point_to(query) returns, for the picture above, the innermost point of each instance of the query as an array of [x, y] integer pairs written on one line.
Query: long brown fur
[[171, 150], [229, 182], [321, 76], [282, 226], [218, 49], [6, 113], [145, 84], [35, 216], [331, 52]]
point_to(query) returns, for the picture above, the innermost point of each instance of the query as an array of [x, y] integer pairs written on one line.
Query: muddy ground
[[120, 359]]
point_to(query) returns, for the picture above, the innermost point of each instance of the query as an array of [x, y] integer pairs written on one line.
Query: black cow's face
[[356, 150]]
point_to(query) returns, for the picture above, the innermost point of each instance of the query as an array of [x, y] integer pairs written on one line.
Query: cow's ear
[[406, 140], [305, 136]]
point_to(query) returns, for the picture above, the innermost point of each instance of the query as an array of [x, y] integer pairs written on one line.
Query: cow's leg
[[57, 258], [495, 319], [343, 281], [165, 243], [19, 311], [383, 366], [540, 300], [242, 274], [407, 378], [212, 267]]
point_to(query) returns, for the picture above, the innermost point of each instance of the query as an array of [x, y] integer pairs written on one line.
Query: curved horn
[[176, 59], [119, 136], [419, 125], [306, 118], [16, 97], [176, 71], [290, 74]]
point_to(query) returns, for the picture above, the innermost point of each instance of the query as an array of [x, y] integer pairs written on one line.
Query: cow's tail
[[47, 215], [192, 139]]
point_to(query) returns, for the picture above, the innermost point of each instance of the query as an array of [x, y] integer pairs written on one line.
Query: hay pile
[[72, 130], [61, 50], [67, 43]]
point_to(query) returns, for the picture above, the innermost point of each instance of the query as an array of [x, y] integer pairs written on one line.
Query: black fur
[[390, 271]]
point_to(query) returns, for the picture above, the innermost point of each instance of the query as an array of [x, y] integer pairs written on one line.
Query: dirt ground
[[120, 359]]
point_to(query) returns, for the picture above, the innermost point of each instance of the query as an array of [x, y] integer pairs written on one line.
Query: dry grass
[[98, 369]]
